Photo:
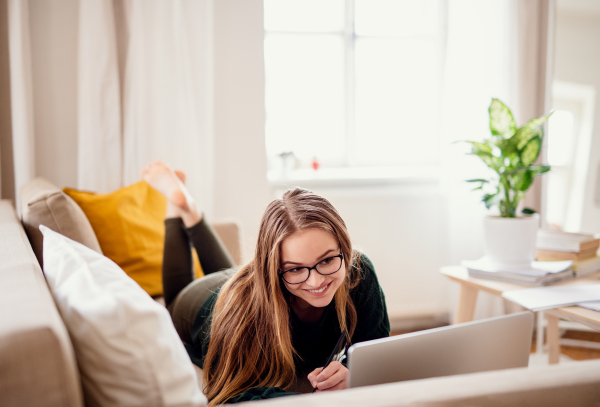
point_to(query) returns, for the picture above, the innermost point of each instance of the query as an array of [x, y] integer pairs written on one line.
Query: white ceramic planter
[[510, 242]]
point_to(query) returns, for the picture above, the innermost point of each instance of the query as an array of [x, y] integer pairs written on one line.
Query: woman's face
[[305, 248]]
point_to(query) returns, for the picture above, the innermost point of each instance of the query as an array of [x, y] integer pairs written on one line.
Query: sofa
[[38, 366]]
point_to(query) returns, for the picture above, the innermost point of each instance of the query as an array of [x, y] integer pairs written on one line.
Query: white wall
[[577, 60], [241, 188]]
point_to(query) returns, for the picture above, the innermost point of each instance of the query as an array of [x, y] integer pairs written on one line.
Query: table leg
[[466, 304], [539, 342], [552, 338]]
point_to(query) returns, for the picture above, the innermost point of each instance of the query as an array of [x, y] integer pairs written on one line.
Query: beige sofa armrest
[[229, 231], [37, 361], [569, 384]]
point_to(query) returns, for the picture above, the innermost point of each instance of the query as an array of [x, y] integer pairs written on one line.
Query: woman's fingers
[[312, 376], [332, 378], [339, 377], [340, 386]]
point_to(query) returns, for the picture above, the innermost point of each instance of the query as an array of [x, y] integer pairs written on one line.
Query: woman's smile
[[321, 290]]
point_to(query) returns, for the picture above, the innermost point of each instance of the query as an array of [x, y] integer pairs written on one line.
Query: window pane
[[397, 94], [305, 96], [397, 17], [561, 138], [304, 15]]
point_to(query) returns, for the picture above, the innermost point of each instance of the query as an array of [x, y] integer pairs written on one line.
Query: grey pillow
[[43, 203]]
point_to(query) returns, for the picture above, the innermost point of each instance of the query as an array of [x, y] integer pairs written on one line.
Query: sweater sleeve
[[372, 317], [260, 393]]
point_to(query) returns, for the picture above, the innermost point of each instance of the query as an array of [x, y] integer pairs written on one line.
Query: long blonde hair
[[250, 339]]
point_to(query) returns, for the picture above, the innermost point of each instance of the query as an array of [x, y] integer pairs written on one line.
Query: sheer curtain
[[144, 79], [145, 91], [496, 48]]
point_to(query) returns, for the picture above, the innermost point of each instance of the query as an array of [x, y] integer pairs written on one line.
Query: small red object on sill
[[315, 164]]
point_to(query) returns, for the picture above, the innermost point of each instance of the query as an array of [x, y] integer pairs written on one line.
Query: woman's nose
[[315, 279]]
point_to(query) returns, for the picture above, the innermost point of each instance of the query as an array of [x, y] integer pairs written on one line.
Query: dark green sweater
[[313, 341]]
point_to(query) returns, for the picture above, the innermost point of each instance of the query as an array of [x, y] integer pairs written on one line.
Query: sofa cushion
[[128, 351], [37, 362], [43, 203], [129, 224]]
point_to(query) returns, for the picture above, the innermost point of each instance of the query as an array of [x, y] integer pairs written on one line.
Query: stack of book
[[540, 272], [581, 248]]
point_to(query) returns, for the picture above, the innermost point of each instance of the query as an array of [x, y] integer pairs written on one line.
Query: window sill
[[355, 176]]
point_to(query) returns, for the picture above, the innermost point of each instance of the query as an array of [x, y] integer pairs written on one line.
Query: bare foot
[[170, 184]]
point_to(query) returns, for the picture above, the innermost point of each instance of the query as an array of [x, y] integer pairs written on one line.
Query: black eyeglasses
[[325, 267]]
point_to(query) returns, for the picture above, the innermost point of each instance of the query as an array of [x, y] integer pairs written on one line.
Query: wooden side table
[[469, 288]]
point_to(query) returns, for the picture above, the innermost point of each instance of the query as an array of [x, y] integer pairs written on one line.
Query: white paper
[[538, 268], [541, 298], [593, 305]]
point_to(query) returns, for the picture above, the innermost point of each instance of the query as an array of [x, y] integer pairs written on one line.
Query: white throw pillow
[[127, 349]]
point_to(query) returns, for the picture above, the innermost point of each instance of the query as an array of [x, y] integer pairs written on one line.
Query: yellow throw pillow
[[129, 225]]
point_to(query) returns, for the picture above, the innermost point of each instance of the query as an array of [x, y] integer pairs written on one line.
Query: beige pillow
[[43, 203]]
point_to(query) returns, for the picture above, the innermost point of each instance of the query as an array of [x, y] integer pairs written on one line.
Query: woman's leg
[[183, 296], [177, 268], [184, 309], [212, 253]]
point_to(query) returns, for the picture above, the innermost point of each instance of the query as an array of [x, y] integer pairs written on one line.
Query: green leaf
[[476, 188], [524, 181], [487, 158], [531, 151], [531, 129], [507, 148], [528, 211], [491, 199], [502, 122], [477, 180], [479, 147], [540, 169]]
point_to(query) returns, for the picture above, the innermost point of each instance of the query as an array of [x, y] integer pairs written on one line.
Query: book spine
[[550, 255], [567, 246]]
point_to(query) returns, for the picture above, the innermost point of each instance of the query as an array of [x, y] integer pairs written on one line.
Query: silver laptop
[[489, 344]]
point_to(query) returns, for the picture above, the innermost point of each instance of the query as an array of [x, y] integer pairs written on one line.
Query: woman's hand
[[334, 377]]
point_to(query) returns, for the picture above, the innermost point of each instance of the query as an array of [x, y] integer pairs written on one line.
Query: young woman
[[267, 328]]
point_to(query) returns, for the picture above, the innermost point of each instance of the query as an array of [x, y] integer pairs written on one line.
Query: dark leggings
[[184, 296]]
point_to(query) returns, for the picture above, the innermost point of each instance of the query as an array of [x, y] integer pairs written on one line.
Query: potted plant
[[511, 154]]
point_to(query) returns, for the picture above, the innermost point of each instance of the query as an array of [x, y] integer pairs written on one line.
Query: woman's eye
[[295, 270], [327, 261]]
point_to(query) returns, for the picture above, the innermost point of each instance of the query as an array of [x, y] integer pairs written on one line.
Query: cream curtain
[[145, 91], [99, 99], [143, 80], [495, 48]]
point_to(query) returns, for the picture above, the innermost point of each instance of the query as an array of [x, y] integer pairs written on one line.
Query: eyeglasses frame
[[341, 256]]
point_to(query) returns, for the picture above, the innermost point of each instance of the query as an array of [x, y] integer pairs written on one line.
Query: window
[[355, 82], [570, 133]]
